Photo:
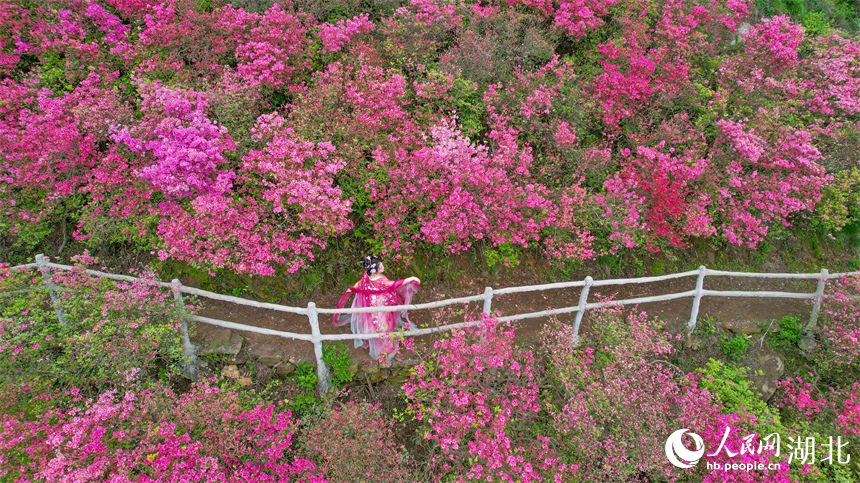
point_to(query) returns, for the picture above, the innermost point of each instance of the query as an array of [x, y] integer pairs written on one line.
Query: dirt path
[[675, 313]]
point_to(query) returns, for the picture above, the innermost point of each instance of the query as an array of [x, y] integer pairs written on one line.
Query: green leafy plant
[[707, 325], [789, 332], [506, 254], [732, 387], [762, 252], [306, 378], [735, 346], [336, 356], [305, 375]]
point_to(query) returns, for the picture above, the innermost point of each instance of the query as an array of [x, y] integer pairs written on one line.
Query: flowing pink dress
[[379, 292]]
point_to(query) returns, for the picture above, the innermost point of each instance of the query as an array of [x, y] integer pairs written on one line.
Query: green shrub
[[732, 389], [736, 346], [706, 326], [729, 383], [114, 332], [305, 378], [507, 254], [336, 356], [789, 333]]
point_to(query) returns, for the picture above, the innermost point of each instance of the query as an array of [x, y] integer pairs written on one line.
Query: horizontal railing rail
[[316, 337]]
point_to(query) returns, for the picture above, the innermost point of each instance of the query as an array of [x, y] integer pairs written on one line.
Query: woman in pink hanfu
[[376, 290]]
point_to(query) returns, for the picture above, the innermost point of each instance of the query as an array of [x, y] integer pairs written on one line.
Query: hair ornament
[[371, 263]]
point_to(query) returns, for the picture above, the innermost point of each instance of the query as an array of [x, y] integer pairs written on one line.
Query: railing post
[[694, 312], [819, 295], [580, 309], [323, 383], [488, 299], [46, 273], [189, 349]]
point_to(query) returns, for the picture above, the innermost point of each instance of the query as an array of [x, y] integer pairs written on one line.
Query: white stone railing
[[317, 338]]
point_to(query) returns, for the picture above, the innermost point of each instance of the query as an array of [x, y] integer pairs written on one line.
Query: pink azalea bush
[[840, 323], [457, 194], [131, 120], [354, 442], [476, 399], [613, 396], [135, 437]]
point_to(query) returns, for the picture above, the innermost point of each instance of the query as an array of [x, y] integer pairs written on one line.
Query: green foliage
[[305, 378], [466, 100], [729, 383], [788, 334], [310, 280], [706, 326], [734, 347], [206, 5], [839, 204], [816, 15], [621, 262], [336, 356], [763, 250], [113, 333], [816, 23], [506, 253], [54, 72]]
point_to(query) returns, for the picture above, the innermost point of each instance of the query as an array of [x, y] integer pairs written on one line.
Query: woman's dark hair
[[371, 263]]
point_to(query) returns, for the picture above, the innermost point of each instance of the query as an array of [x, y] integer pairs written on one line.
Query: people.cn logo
[[676, 451]]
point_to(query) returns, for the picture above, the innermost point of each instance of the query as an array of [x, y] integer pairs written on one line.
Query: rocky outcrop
[[765, 370], [223, 341]]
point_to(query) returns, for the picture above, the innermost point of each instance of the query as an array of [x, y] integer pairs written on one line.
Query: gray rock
[[233, 360], [223, 341], [694, 342], [380, 375], [285, 369], [270, 361], [744, 28], [397, 379], [405, 372], [353, 368], [765, 371], [744, 327], [807, 345], [372, 368]]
